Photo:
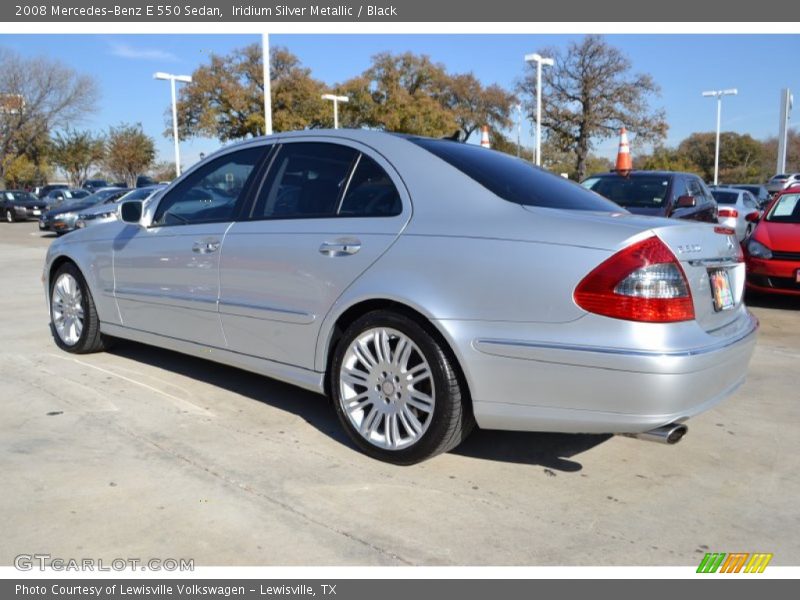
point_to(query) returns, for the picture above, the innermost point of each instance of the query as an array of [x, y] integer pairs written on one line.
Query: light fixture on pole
[[335, 100], [718, 94], [539, 60], [172, 79]]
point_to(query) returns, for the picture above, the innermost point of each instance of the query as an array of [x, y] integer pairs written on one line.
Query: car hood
[[99, 209], [70, 208], [780, 237], [28, 203]]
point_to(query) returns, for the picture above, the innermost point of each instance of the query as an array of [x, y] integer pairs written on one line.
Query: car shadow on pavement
[[550, 450]]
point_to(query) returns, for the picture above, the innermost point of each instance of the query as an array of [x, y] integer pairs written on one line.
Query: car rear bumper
[[527, 385], [773, 276]]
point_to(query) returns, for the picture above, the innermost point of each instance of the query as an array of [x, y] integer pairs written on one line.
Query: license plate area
[[36, 212], [721, 289]]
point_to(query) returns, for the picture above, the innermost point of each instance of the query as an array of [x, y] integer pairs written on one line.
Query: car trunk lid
[[712, 261]]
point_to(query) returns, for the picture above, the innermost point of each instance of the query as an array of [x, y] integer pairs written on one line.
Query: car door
[[167, 274], [325, 212]]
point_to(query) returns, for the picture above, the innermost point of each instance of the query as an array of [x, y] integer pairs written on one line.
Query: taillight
[[728, 212], [643, 282]]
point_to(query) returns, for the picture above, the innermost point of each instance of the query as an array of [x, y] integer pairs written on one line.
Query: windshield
[[725, 197], [19, 196], [514, 179], [786, 209], [779, 177], [640, 191]]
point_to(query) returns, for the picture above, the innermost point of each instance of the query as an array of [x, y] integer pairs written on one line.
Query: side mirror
[[753, 217], [131, 212], [686, 202]]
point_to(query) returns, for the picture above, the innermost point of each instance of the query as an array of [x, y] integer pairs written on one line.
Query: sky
[[682, 65]]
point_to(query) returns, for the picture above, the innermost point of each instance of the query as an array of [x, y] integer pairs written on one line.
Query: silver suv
[[782, 181]]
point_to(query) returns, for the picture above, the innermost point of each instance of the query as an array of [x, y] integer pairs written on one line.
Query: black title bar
[[472, 11]]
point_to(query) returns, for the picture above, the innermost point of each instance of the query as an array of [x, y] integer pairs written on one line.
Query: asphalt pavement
[[141, 452]]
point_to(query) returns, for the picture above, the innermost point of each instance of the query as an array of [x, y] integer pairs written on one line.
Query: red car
[[773, 250]]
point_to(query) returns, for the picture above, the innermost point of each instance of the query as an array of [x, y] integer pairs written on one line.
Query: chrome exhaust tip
[[666, 434]]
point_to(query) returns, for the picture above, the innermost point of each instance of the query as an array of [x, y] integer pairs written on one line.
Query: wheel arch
[[348, 315]]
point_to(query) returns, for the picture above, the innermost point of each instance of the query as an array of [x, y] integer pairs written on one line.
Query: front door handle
[[205, 246], [340, 247]]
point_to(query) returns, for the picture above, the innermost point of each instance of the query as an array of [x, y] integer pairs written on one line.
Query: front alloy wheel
[[396, 391], [73, 316]]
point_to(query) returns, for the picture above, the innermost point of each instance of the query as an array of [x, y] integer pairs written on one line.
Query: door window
[[371, 192], [212, 193], [306, 180]]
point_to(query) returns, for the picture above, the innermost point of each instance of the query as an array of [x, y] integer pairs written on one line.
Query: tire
[[412, 404], [73, 317], [10, 216]]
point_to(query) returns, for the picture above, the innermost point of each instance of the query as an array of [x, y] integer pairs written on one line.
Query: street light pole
[[519, 129], [539, 60], [172, 79], [718, 94], [335, 100], [267, 85]]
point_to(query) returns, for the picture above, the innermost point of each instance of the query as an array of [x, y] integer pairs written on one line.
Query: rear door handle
[[205, 246], [340, 247]]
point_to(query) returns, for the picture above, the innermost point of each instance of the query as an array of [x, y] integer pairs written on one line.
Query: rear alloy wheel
[[396, 391], [73, 317], [10, 216]]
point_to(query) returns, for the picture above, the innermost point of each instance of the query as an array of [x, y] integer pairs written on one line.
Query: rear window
[[725, 197], [514, 179], [639, 191], [779, 177]]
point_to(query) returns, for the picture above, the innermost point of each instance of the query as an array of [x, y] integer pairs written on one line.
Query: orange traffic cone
[[624, 162], [485, 137]]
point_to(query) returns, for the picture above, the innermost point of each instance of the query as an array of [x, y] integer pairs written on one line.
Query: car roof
[[636, 172]]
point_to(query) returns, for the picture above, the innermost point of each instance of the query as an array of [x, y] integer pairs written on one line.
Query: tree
[[37, 95], [226, 97], [75, 153], [20, 172], [163, 171], [740, 156], [589, 94], [475, 105], [770, 155], [129, 152], [407, 93], [666, 159]]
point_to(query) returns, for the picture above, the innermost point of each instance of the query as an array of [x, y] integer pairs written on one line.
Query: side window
[[680, 188], [211, 193], [306, 180], [371, 192], [695, 189]]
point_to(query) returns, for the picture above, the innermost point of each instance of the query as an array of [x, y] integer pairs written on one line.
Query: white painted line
[[179, 402]]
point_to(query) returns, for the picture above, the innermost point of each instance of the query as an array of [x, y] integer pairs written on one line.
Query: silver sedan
[[425, 285]]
